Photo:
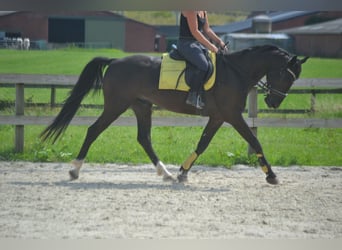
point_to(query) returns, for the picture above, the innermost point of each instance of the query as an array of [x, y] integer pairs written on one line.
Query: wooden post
[[19, 110], [253, 112], [260, 24], [313, 101], [53, 96]]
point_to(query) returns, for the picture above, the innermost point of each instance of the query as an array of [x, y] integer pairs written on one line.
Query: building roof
[[280, 16], [233, 27], [330, 27], [5, 13], [277, 16], [274, 36]]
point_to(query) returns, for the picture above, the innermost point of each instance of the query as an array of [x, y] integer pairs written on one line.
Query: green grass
[[282, 146], [63, 61], [322, 68], [326, 106], [71, 61]]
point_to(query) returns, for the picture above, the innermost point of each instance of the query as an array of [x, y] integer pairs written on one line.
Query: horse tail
[[90, 78]]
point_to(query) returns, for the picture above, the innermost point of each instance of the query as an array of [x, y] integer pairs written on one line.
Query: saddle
[[175, 69]]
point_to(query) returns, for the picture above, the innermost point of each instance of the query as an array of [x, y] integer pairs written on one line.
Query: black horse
[[132, 82]]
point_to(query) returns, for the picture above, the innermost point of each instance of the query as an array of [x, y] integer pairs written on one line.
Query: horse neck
[[251, 69], [253, 65]]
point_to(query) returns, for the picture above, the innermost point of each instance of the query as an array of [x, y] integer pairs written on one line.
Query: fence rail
[[179, 121], [301, 86], [70, 80], [20, 81]]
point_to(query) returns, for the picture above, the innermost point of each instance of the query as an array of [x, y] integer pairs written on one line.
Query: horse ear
[[292, 61], [304, 59]]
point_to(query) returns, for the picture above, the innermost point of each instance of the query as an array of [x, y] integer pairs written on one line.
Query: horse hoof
[[272, 180], [73, 174], [182, 178]]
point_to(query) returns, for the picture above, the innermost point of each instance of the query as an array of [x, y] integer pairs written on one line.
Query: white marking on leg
[[161, 170]]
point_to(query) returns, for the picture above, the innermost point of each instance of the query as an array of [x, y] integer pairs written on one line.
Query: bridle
[[270, 90]]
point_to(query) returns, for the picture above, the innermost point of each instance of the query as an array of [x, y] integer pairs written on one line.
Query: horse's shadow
[[78, 185]]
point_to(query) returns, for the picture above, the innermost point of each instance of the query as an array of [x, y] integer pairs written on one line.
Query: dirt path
[[120, 201]]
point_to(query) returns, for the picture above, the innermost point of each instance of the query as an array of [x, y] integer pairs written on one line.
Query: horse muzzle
[[273, 102]]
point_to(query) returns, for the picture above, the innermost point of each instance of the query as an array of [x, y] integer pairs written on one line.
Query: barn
[[280, 20], [94, 29], [320, 40], [292, 31]]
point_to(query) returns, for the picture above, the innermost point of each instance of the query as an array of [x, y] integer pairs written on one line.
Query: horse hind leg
[[105, 119], [92, 133], [143, 113]]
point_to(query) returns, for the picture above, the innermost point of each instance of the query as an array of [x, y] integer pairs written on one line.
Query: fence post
[[53, 96], [19, 110], [260, 24], [313, 101], [253, 112]]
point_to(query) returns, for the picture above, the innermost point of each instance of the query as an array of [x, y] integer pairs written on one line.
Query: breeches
[[195, 54]]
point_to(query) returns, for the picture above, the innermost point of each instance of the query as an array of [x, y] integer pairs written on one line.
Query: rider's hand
[[214, 49]]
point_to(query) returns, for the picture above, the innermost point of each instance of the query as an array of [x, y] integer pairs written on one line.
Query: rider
[[193, 43]]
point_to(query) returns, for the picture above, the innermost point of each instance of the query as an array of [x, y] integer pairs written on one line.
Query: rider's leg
[[195, 55]]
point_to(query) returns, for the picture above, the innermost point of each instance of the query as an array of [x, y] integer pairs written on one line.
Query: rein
[[269, 90]]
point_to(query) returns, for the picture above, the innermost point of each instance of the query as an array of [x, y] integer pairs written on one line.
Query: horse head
[[280, 81]]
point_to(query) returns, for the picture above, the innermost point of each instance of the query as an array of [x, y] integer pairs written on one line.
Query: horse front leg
[[242, 128], [208, 133]]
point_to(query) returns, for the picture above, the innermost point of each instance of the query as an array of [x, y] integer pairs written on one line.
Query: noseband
[[268, 88]]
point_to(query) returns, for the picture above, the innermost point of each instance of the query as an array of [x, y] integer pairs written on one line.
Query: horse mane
[[237, 59]]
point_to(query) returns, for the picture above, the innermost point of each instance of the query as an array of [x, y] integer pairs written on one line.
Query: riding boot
[[194, 79], [195, 99], [200, 99], [192, 98]]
